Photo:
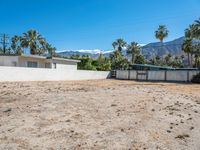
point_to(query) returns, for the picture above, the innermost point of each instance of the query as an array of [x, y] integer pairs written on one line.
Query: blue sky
[[95, 24]]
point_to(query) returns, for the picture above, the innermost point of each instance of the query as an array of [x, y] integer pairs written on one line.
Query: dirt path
[[102, 114]]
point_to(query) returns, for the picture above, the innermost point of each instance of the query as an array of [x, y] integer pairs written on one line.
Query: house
[[34, 61]]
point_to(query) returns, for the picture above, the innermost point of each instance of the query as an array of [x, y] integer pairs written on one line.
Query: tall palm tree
[[161, 33], [187, 48], [197, 31], [119, 44], [133, 49], [33, 40], [15, 45], [191, 31]]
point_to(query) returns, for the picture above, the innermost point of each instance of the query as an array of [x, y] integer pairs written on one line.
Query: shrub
[[196, 78]]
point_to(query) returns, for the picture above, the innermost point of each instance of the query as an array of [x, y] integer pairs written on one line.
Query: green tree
[[134, 50], [33, 40], [16, 45], [119, 44], [118, 62], [168, 59], [197, 30], [187, 48], [139, 59], [51, 50], [103, 63], [161, 33]]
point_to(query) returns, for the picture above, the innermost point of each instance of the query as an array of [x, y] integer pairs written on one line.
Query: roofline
[[50, 58], [43, 57], [63, 59], [33, 56], [147, 65]]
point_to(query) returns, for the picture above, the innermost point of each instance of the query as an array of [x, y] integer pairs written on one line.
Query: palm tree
[[51, 50], [133, 49], [119, 44], [15, 45], [187, 48], [161, 33], [197, 31], [190, 31], [157, 60], [168, 59], [33, 40]]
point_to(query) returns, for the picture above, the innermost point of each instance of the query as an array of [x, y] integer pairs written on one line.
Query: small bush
[[196, 78]]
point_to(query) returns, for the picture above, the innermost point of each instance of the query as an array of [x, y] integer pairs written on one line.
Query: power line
[[4, 41]]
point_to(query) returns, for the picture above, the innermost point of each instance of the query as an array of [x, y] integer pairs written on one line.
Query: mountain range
[[150, 50]]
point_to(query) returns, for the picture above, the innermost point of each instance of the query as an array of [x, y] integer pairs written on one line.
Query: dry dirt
[[101, 114]]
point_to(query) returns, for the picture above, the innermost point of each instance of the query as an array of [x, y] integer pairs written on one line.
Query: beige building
[[34, 61]]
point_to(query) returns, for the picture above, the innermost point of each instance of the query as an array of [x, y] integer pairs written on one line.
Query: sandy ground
[[102, 114]]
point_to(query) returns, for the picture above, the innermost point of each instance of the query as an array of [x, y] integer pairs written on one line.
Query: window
[[32, 64], [54, 65]]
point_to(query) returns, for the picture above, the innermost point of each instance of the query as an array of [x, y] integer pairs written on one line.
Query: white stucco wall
[[44, 74], [133, 75], [122, 74], [177, 76], [156, 75]]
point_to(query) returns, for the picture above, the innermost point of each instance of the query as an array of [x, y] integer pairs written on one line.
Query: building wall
[[21, 61], [8, 60], [42, 74], [65, 65]]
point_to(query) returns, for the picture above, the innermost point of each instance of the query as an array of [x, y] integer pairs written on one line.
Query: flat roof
[[63, 59], [153, 66], [43, 57]]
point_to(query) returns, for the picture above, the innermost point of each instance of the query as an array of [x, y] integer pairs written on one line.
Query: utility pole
[[4, 41]]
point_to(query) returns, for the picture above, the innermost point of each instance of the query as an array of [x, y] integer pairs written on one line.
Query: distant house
[[34, 61]]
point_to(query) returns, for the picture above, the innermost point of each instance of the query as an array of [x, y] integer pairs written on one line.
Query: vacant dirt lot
[[102, 114]]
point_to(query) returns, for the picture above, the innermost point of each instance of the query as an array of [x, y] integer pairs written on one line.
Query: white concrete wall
[[156, 75], [122, 74], [66, 66], [133, 75], [177, 76], [44, 74]]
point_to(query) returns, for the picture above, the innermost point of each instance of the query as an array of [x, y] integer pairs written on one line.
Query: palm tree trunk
[[188, 60], [132, 58], [191, 60]]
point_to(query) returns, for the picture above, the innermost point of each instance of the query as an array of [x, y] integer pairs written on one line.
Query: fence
[[44, 74], [168, 75]]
